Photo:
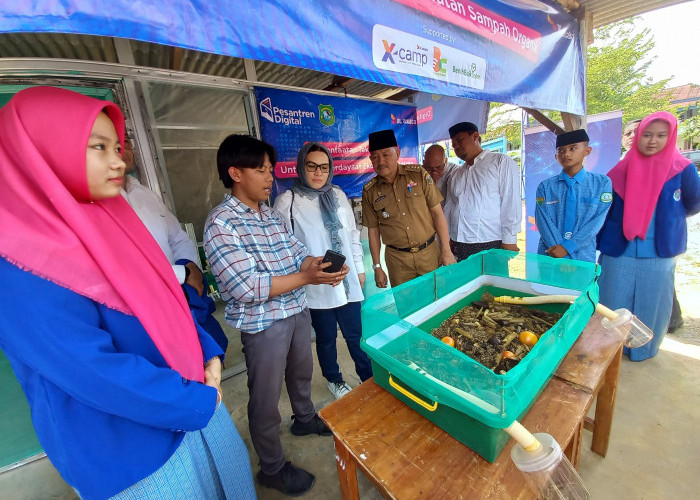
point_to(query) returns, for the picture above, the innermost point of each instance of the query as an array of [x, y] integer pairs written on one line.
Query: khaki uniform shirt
[[401, 210]]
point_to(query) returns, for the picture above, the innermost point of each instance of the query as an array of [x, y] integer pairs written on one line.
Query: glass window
[[191, 122]]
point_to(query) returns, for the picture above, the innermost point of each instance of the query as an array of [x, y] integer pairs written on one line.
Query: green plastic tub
[[461, 396]]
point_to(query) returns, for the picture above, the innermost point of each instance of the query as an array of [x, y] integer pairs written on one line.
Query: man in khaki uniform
[[401, 206]]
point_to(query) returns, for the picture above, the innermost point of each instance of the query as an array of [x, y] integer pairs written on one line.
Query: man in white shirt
[[436, 164], [483, 204], [177, 246]]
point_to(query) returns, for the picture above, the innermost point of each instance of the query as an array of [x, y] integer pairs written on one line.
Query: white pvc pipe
[[554, 299], [523, 437]]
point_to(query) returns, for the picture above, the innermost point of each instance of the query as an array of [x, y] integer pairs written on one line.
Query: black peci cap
[[572, 137], [467, 127], [382, 139]]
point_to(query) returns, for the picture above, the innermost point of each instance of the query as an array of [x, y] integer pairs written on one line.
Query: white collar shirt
[[162, 224], [483, 201]]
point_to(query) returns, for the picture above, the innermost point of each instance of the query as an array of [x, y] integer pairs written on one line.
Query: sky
[[677, 48]]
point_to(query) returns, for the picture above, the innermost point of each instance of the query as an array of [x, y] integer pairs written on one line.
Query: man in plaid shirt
[[261, 270]]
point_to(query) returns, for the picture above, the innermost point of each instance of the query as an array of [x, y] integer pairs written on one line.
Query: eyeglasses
[[430, 170], [312, 167], [439, 168]]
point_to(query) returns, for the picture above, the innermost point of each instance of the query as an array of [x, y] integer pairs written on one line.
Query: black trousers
[[463, 250]]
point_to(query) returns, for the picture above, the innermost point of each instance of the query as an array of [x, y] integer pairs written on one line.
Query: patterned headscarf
[[326, 197]]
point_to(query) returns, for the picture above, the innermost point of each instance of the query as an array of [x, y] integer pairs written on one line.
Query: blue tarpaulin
[[525, 52], [290, 119], [436, 114]]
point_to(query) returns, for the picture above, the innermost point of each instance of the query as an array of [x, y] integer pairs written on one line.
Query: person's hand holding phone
[[316, 273]]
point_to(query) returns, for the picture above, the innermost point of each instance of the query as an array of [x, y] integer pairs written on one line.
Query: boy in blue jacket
[[571, 206]]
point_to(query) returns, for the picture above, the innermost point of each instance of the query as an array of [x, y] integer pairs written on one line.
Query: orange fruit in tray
[[528, 338], [508, 355], [449, 341]]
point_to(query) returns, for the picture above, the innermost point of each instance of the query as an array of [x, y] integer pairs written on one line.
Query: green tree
[[690, 131], [502, 123], [617, 78]]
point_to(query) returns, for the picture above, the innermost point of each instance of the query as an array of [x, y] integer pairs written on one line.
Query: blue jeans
[[325, 323]]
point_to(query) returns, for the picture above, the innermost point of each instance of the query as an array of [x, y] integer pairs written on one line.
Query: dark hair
[[467, 127], [242, 151]]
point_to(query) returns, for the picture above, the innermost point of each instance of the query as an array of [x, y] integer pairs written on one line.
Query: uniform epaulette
[[413, 168], [370, 183]]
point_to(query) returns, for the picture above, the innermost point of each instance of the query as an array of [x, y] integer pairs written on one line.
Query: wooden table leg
[[347, 472], [573, 449], [605, 406]]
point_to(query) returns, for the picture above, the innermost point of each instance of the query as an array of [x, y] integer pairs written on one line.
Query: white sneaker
[[339, 389]]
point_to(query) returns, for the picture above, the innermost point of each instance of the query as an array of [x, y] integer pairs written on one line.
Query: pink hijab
[[638, 179], [50, 227]]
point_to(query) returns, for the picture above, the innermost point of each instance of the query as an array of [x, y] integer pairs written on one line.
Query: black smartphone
[[336, 259]]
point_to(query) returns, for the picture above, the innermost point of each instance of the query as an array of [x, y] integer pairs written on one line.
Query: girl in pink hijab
[[655, 190], [123, 387]]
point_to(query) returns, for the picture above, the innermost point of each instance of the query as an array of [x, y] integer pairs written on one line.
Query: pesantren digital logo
[[266, 109], [285, 116]]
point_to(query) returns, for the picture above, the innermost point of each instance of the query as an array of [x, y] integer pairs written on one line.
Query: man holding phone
[[261, 270], [401, 206]]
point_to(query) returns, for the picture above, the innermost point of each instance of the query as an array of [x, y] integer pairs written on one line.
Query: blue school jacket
[[106, 408], [679, 199]]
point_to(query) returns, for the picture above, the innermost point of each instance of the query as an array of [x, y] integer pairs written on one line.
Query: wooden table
[[406, 456]]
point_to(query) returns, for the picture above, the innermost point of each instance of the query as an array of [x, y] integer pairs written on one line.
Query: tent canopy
[[524, 52]]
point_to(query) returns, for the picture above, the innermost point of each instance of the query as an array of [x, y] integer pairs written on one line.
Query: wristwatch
[[376, 266]]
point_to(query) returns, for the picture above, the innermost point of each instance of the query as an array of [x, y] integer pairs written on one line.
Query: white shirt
[[441, 183], [308, 227], [483, 200], [162, 225]]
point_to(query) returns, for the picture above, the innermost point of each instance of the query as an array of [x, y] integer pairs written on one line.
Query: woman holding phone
[[320, 215]]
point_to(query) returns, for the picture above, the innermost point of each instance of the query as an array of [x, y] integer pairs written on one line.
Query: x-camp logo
[[402, 52], [388, 49], [415, 56]]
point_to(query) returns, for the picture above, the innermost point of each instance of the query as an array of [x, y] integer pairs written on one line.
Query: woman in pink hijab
[[123, 387], [655, 190]]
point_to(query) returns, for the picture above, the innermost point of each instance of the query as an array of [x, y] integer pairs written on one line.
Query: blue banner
[[437, 113], [290, 119], [525, 52], [605, 132]]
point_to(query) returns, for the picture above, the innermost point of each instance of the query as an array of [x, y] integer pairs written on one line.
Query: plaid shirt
[[245, 250]]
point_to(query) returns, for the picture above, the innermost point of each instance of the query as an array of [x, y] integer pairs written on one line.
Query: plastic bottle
[[548, 472]]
